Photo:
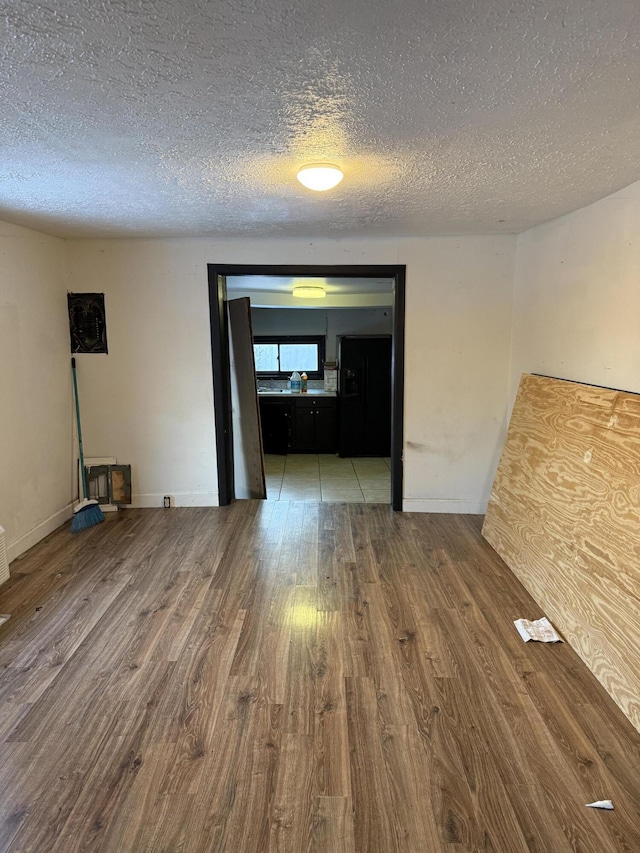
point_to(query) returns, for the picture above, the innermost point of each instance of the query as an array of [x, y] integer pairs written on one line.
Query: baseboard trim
[[454, 506], [177, 499], [33, 536]]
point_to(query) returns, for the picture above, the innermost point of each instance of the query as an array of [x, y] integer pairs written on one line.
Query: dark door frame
[[217, 277]]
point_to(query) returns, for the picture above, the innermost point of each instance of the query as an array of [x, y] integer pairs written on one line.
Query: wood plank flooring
[[277, 676]]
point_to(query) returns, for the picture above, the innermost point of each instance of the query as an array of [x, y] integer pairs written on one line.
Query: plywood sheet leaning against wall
[[564, 515]]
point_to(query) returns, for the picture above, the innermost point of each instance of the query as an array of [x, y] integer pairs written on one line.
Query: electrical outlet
[[167, 501]]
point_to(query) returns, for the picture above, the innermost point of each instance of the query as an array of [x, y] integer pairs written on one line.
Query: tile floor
[[326, 477]]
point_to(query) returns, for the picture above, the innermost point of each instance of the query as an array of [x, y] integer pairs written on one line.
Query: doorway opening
[[218, 275]]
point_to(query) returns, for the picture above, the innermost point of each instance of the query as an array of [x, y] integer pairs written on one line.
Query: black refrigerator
[[364, 395]]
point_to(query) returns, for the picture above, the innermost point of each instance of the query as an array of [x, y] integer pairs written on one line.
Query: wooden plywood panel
[[564, 514]]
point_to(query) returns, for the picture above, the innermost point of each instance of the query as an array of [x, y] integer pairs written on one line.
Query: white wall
[[458, 325], [150, 402], [577, 295], [36, 425], [315, 321]]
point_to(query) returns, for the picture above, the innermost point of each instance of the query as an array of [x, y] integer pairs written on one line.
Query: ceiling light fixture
[[320, 176], [309, 291]]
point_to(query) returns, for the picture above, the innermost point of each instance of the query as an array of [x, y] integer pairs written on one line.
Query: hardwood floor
[[277, 676]]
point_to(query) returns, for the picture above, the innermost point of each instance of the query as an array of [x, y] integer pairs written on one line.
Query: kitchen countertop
[[311, 393]]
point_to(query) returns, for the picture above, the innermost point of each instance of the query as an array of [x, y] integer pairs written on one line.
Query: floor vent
[[4, 560]]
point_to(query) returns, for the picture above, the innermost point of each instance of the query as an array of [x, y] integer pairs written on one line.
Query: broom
[[87, 512]]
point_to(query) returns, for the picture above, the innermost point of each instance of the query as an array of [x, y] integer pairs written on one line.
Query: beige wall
[[458, 327], [577, 296], [36, 426], [150, 401]]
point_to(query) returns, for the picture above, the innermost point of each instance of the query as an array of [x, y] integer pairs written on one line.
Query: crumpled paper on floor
[[540, 630], [601, 804]]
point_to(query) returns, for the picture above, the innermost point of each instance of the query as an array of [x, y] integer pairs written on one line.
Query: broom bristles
[[86, 516]]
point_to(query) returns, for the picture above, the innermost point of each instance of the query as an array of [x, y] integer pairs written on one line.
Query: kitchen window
[[277, 356]]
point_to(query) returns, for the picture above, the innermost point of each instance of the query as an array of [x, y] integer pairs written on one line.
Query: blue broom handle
[[75, 395]]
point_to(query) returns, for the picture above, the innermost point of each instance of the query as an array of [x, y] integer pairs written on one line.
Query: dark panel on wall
[[87, 322]]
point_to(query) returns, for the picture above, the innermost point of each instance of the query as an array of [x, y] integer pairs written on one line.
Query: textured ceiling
[[157, 117]]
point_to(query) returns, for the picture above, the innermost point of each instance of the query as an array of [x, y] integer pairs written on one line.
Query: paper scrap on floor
[[4, 617], [601, 804], [540, 630]]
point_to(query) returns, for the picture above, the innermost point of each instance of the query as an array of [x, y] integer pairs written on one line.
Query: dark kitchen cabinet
[[304, 437], [306, 424], [315, 426], [277, 418]]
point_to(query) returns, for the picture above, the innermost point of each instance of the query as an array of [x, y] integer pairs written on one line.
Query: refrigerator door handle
[[365, 382]]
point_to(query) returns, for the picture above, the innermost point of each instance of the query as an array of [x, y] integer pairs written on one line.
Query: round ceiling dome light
[[320, 176], [309, 291]]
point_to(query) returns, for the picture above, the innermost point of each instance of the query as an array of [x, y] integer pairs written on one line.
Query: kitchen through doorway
[[361, 302]]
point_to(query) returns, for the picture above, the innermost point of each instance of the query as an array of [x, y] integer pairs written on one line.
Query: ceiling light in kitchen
[[309, 291], [320, 176]]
